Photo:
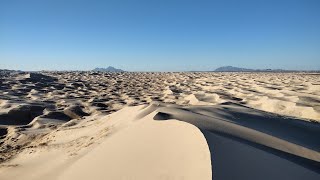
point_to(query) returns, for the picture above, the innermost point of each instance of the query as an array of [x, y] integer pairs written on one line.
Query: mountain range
[[108, 69]]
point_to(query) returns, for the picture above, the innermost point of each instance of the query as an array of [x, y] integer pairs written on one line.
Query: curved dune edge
[[167, 141], [147, 150]]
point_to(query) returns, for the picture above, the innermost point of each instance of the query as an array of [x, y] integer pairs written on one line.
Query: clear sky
[[159, 35]]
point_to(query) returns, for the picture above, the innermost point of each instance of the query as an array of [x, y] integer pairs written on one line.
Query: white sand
[[78, 125]]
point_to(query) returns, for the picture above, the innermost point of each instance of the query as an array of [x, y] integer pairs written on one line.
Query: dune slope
[[123, 145]]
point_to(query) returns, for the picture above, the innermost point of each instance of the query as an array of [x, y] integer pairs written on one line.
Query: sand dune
[[291, 94], [142, 148], [81, 125], [133, 143]]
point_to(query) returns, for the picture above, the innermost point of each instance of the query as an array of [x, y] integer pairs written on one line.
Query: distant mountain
[[237, 69], [108, 69], [233, 69]]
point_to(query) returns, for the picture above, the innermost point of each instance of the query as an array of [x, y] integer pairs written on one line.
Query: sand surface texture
[[89, 125]]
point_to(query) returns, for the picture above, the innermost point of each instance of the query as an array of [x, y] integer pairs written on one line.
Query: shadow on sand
[[250, 144]]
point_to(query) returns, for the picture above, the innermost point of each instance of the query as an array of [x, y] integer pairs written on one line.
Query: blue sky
[[159, 35]]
